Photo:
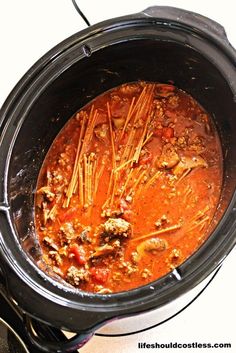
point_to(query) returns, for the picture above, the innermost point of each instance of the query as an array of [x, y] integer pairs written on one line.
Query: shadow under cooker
[[68, 77]]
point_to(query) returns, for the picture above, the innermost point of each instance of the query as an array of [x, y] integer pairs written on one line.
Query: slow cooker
[[159, 44]]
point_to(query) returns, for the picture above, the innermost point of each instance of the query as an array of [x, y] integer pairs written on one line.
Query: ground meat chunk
[[55, 257], [197, 145], [84, 235], [175, 258], [111, 213], [101, 290], [130, 89], [169, 157], [74, 275], [128, 268], [173, 101], [146, 273], [64, 159], [135, 257], [162, 221], [102, 132], [67, 233], [81, 115], [117, 227]]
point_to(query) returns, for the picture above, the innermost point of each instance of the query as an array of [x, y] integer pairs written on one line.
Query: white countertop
[[28, 29]]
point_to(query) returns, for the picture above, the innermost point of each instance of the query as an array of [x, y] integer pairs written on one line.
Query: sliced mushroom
[[152, 245], [106, 249], [102, 251], [118, 122], [47, 241], [188, 163]]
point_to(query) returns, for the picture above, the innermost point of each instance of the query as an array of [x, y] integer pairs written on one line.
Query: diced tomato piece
[[158, 132], [146, 158], [69, 215], [99, 275], [78, 253], [168, 132], [167, 88], [164, 90]]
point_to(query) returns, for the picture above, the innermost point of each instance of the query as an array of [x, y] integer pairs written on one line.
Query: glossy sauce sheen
[[129, 188]]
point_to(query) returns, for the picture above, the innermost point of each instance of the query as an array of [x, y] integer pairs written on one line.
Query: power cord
[[80, 12]]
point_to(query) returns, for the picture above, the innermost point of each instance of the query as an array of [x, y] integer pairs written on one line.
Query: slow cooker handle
[[189, 18], [33, 329]]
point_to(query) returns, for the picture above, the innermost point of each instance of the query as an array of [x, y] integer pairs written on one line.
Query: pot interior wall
[[151, 60]]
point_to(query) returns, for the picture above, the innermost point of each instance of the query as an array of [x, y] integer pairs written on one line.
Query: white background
[[29, 28]]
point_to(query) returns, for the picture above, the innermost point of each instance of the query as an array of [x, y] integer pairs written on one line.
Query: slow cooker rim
[[19, 89], [212, 30]]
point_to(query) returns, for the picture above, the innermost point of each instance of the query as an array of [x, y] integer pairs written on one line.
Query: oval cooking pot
[[158, 44]]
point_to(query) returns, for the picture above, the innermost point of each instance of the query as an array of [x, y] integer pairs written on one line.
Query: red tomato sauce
[[129, 188]]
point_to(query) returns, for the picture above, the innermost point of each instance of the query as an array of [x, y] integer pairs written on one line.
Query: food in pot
[[129, 188]]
